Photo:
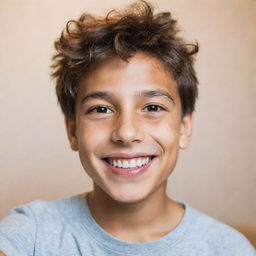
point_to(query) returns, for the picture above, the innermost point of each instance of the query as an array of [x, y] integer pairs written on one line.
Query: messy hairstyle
[[90, 40]]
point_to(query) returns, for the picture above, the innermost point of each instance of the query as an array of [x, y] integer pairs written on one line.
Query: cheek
[[90, 138], [166, 133]]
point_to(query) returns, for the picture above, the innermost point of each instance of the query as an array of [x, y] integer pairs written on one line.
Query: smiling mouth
[[129, 163]]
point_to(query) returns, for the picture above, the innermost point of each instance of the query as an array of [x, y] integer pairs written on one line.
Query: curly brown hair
[[91, 40]]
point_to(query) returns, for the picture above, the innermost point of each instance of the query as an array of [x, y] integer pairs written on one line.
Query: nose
[[127, 130]]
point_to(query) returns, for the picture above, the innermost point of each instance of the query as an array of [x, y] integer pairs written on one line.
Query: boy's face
[[126, 111]]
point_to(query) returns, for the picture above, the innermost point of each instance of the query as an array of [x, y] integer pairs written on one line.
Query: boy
[[127, 87]]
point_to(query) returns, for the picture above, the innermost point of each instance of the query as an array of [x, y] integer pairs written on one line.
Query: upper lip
[[127, 155]]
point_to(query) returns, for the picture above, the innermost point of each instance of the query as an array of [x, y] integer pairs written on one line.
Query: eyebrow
[[156, 93], [96, 95], [146, 94]]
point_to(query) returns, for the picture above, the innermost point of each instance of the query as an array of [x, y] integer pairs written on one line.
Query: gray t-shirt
[[66, 227]]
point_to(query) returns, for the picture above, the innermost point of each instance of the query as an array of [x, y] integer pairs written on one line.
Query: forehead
[[141, 72]]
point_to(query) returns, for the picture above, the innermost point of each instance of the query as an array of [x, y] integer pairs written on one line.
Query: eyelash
[[156, 105], [94, 109], [97, 107]]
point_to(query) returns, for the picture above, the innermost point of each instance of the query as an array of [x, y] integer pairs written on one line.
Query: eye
[[100, 110], [153, 108]]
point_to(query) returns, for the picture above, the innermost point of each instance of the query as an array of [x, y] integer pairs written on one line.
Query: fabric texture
[[66, 227]]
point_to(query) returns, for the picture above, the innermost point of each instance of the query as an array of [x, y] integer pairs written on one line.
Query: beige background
[[216, 175]]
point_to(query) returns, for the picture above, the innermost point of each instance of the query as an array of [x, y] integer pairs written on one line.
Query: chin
[[129, 197], [129, 200]]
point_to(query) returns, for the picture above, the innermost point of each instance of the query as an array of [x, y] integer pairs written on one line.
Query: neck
[[146, 220]]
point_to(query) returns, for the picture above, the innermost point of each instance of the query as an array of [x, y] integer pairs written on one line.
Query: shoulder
[[38, 223], [40, 214], [30, 215], [220, 237], [46, 211]]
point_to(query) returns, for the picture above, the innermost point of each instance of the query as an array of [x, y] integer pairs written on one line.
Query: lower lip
[[129, 172]]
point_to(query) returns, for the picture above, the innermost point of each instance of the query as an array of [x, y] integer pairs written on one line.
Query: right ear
[[71, 131]]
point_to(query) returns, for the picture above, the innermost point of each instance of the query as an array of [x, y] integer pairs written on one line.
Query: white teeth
[[115, 163], [133, 163], [139, 163], [125, 164], [129, 163]]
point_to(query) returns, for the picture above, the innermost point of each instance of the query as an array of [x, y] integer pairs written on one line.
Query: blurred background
[[217, 175]]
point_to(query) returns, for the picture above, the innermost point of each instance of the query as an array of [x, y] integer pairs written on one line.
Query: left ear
[[186, 131], [71, 132]]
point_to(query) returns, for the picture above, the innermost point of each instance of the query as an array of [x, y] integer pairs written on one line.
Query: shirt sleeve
[[18, 232]]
